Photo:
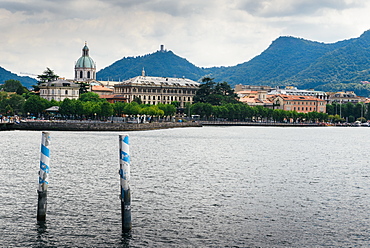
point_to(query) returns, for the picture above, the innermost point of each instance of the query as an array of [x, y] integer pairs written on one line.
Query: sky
[[36, 34]]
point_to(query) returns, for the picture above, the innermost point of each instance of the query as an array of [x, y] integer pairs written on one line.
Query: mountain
[[342, 65], [162, 63], [6, 75], [279, 63]]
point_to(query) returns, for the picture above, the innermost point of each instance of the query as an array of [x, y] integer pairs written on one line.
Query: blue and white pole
[[124, 173], [43, 177]]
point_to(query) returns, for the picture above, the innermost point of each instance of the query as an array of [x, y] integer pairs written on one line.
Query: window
[[81, 76], [66, 92], [88, 74]]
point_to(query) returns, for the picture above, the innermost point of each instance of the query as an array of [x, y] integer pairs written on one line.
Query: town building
[[345, 97], [291, 90], [254, 98], [240, 87], [59, 90], [101, 90], [301, 104], [154, 90], [114, 98]]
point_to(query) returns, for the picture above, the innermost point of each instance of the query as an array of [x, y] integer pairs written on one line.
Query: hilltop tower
[[85, 67]]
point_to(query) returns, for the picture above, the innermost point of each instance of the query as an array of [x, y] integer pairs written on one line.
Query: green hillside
[[158, 64], [6, 75], [282, 60]]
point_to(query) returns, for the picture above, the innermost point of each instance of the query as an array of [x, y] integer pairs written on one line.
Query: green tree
[[66, 107], [35, 105], [16, 102], [215, 93], [22, 90], [106, 109], [79, 107], [132, 108], [90, 97], [137, 100], [168, 109], [119, 108], [12, 85], [202, 109], [47, 76], [176, 104]]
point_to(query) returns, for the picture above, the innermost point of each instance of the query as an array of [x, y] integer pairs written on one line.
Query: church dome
[[85, 61]]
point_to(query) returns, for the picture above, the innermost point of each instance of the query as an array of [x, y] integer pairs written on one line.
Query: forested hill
[[158, 64], [7, 75], [283, 60]]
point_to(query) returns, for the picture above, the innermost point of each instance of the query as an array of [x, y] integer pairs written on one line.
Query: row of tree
[[243, 112], [89, 105], [348, 112], [212, 101]]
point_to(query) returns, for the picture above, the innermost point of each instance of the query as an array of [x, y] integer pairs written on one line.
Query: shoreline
[[124, 126], [92, 126]]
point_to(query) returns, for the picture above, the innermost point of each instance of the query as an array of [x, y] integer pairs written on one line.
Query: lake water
[[191, 187]]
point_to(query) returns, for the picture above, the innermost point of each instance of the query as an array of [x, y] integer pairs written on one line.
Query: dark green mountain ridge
[[7, 75]]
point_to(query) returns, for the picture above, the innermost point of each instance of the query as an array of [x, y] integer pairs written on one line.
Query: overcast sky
[[36, 34]]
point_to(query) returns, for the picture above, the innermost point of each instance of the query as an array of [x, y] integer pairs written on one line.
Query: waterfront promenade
[[93, 126], [88, 125], [244, 123]]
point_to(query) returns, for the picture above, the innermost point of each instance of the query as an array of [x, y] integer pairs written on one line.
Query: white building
[[59, 90], [293, 91], [154, 90]]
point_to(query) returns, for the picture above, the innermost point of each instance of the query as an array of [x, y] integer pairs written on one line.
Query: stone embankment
[[267, 124], [94, 126]]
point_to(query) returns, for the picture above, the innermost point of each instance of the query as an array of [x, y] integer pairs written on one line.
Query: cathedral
[[85, 67]]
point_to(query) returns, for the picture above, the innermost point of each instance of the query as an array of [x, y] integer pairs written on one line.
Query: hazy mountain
[[6, 75]]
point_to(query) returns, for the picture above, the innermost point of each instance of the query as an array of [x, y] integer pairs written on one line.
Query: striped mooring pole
[[43, 177], [124, 173]]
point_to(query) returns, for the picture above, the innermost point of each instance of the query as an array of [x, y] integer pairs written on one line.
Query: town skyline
[[42, 33]]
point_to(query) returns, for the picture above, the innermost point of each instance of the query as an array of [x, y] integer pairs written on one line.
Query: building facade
[[290, 90], [301, 104], [154, 90], [59, 90], [254, 98], [345, 97]]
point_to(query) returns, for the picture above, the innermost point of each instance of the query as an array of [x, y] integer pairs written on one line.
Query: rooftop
[[145, 80]]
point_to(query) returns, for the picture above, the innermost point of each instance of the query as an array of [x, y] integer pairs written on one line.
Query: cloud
[[170, 7], [51, 33], [283, 8]]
